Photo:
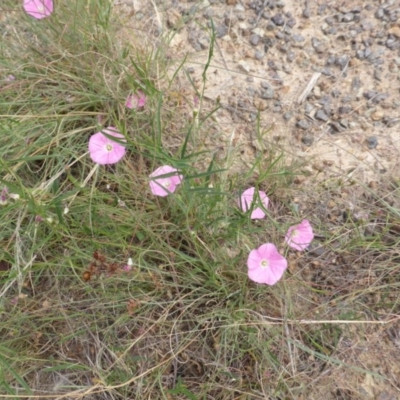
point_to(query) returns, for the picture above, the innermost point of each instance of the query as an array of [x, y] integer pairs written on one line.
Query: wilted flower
[[136, 100], [38, 8], [4, 197], [164, 180], [266, 265], [300, 236], [246, 202], [103, 150], [128, 265]]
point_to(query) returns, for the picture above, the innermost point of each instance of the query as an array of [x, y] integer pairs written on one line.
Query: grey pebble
[[259, 55], [298, 38], [344, 109], [306, 13], [336, 128], [320, 114], [254, 39], [372, 142], [356, 83], [288, 115], [268, 94], [221, 31], [278, 19], [291, 55], [308, 108], [342, 61], [348, 17], [307, 139], [303, 124]]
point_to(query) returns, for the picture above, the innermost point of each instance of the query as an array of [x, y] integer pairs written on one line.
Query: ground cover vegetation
[[134, 264]]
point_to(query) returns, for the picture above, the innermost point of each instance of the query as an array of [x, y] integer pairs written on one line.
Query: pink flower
[[103, 150], [266, 265], [161, 185], [38, 8], [300, 236], [128, 266], [246, 202], [136, 100]]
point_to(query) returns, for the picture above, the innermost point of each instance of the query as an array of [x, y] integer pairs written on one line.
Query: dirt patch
[[324, 76]]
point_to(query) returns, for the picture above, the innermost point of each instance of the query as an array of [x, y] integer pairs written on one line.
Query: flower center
[[295, 233], [264, 263], [167, 183], [109, 147], [41, 8]]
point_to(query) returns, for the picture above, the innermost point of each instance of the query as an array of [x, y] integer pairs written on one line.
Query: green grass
[[185, 323]]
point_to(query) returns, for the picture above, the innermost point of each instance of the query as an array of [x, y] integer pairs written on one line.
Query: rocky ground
[[325, 75]]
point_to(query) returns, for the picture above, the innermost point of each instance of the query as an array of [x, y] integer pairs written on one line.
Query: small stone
[[278, 19], [377, 115], [258, 31], [360, 54], [221, 31], [307, 139], [336, 128], [291, 55], [298, 38], [243, 64], [320, 114], [344, 109], [303, 124], [306, 13], [268, 94], [342, 61], [204, 42], [254, 39], [231, 2], [348, 17], [239, 8], [308, 108], [259, 55], [372, 142], [288, 115], [356, 83]]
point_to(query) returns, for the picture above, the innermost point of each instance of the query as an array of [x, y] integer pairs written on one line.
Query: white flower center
[[109, 147], [41, 8], [167, 183], [264, 264], [295, 233]]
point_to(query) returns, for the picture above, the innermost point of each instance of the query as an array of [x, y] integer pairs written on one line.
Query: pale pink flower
[[164, 180], [128, 266], [300, 236], [103, 150], [38, 8], [266, 265], [10, 78], [136, 100], [246, 202]]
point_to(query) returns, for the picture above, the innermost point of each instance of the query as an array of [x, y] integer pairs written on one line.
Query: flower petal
[[161, 185], [271, 273], [246, 202], [300, 236], [38, 8], [98, 146]]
